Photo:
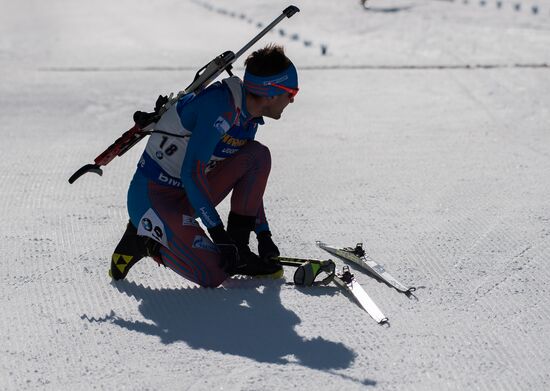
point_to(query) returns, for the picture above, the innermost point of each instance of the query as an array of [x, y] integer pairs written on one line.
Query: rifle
[[145, 122]]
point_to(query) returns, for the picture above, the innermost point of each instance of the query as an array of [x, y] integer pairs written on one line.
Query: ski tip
[[384, 322], [409, 293]]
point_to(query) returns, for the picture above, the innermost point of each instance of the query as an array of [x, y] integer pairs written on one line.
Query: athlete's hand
[[229, 257], [266, 248], [229, 254]]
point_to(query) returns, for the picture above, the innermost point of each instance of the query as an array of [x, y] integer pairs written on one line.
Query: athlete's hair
[[267, 61]]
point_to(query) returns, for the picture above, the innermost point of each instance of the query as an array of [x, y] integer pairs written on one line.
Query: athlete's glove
[[229, 254], [266, 248]]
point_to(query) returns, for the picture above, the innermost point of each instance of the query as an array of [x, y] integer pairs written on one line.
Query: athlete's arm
[[208, 128]]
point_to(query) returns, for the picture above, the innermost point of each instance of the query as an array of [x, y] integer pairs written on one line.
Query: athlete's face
[[276, 105]]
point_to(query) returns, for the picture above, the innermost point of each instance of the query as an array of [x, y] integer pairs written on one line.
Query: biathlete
[[202, 149]]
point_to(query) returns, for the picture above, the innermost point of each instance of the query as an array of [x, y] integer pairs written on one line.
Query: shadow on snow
[[241, 321]]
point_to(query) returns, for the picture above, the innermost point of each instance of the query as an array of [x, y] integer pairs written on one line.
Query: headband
[[263, 85]]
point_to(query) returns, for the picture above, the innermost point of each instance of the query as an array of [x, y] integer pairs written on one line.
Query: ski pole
[[291, 261]]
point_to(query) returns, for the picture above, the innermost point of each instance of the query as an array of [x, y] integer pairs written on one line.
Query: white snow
[[423, 132]]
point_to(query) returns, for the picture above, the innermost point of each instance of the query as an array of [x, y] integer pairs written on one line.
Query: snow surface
[[423, 131]]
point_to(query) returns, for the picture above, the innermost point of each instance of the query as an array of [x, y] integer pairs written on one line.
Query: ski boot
[[250, 264], [130, 250]]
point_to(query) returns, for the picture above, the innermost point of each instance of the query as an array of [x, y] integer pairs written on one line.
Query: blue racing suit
[[202, 148]]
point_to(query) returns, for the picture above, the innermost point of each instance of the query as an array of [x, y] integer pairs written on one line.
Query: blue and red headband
[[284, 82]]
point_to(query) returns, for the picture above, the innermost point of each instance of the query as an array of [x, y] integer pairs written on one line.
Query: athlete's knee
[[261, 154], [260, 149]]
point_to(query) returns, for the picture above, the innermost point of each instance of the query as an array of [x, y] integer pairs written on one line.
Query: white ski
[[358, 257], [307, 271], [347, 281]]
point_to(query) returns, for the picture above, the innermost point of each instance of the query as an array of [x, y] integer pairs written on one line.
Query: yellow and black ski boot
[[131, 248]]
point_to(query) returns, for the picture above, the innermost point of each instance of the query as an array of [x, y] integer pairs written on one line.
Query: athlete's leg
[[163, 213], [245, 173], [187, 250]]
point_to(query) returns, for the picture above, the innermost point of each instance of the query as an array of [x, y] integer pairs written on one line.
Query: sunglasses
[[291, 91]]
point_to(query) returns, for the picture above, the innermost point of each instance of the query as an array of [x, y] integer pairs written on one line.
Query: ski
[[359, 257], [307, 270], [347, 281]]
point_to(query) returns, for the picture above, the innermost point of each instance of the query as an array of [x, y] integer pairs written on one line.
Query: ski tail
[[347, 281], [307, 271]]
